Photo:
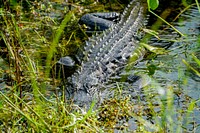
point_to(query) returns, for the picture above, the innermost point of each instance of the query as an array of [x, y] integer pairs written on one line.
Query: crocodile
[[106, 54]]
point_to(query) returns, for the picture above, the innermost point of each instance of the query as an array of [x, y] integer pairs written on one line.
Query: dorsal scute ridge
[[127, 14], [101, 49], [78, 72], [125, 32], [108, 52]]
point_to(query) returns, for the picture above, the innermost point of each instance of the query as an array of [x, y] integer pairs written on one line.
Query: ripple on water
[[173, 72]]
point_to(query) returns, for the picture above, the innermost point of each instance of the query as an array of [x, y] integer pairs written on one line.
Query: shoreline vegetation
[[35, 34]]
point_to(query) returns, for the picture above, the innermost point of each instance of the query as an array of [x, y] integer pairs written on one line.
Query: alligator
[[106, 54]]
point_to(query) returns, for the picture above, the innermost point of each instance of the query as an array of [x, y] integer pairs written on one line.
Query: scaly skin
[[106, 54]]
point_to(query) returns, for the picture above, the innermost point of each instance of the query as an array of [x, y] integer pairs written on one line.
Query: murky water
[[171, 69], [172, 72]]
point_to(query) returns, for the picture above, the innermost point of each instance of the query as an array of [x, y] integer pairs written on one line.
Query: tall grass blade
[[54, 44]]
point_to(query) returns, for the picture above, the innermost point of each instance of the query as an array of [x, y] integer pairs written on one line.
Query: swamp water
[[175, 86]]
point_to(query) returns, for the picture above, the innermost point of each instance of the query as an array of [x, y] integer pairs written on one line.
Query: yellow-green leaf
[[153, 49], [152, 32], [152, 4]]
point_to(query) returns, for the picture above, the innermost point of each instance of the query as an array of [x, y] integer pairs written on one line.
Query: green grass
[[33, 43]]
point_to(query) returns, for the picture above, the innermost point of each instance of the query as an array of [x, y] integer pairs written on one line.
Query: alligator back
[[107, 53]]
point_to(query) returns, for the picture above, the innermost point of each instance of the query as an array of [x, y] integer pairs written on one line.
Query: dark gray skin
[[67, 61], [99, 21], [95, 22], [106, 54]]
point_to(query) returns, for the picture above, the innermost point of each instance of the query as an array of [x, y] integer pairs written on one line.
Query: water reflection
[[173, 72]]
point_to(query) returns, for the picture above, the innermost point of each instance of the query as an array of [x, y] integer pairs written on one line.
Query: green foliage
[[155, 50], [192, 68], [197, 5], [153, 4], [55, 41]]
